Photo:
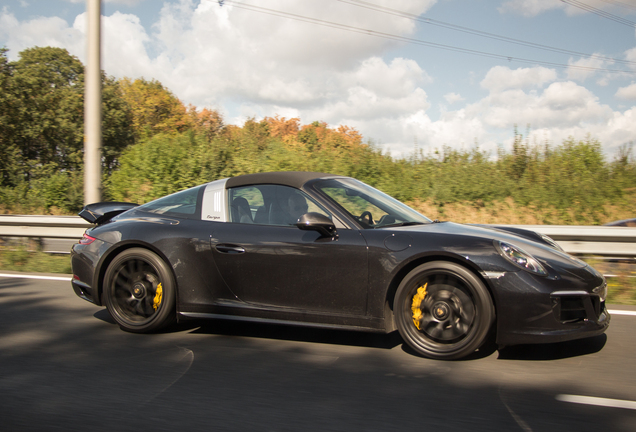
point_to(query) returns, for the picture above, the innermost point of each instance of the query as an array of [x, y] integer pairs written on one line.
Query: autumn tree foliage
[[42, 126], [155, 109], [154, 144], [315, 136], [206, 121], [271, 144]]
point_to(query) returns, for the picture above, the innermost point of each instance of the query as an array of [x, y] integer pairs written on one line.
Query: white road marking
[[522, 424], [621, 312], [62, 278], [26, 276], [596, 401]]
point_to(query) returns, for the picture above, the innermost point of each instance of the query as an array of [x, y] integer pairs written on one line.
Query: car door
[[266, 260]]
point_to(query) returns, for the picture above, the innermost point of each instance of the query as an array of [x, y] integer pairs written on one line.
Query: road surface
[[65, 365]]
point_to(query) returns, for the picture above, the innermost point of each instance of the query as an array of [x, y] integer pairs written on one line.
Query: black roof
[[287, 178]]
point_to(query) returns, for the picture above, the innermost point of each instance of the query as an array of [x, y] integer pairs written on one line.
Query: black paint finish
[[288, 274]]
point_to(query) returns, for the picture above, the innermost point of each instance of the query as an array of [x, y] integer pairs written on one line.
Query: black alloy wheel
[[443, 310], [139, 291]]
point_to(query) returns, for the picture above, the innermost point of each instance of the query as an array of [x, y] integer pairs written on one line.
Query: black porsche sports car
[[330, 251]]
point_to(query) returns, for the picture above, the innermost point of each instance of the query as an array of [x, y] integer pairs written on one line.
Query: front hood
[[468, 237], [477, 231]]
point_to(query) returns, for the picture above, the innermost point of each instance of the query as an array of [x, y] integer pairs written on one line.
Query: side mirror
[[317, 222]]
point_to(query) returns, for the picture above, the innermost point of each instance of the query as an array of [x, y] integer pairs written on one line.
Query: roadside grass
[[622, 290], [621, 282], [508, 212], [22, 260], [621, 279]]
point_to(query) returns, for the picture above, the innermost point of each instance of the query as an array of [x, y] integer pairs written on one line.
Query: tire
[[132, 295], [450, 318]]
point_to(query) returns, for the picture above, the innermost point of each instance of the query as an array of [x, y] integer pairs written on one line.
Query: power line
[[414, 41], [619, 4], [600, 12], [395, 12]]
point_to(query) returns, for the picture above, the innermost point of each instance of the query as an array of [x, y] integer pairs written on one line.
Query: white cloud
[[630, 55], [451, 98], [529, 8], [500, 78], [583, 68], [628, 93], [398, 79], [123, 45], [251, 64], [124, 2], [562, 104], [532, 8], [40, 31], [563, 109], [211, 53], [619, 129]]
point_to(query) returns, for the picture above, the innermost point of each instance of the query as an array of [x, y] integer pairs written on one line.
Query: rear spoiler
[[101, 212]]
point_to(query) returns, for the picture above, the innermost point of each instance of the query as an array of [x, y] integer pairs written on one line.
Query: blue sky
[[251, 58]]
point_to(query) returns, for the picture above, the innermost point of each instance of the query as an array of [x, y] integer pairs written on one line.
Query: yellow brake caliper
[[157, 300], [415, 306]]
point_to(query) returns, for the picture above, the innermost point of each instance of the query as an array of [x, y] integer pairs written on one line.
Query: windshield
[[369, 206]]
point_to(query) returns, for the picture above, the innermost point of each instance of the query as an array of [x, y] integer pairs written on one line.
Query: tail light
[[86, 239]]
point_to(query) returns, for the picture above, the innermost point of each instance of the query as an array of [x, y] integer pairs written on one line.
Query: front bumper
[[540, 310]]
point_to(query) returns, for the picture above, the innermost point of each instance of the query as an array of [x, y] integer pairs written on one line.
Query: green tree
[[42, 128], [48, 87], [45, 92], [117, 123], [9, 154]]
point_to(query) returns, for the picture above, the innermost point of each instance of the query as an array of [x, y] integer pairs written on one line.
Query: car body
[[622, 223], [329, 251]]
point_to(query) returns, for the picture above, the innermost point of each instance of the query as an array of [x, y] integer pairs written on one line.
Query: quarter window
[[183, 203]]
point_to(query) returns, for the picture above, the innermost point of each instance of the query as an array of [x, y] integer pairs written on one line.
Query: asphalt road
[[64, 365]]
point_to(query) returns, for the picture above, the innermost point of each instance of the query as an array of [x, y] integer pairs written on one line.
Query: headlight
[[601, 291], [520, 258], [551, 242]]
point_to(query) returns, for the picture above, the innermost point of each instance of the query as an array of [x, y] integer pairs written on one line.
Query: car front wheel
[[139, 291], [443, 311]]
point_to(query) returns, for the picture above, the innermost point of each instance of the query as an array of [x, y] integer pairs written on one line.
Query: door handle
[[230, 249]]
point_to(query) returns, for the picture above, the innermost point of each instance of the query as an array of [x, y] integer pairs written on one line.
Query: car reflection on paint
[[330, 251], [623, 223]]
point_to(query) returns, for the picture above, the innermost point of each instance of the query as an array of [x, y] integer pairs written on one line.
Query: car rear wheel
[[139, 291], [443, 311]]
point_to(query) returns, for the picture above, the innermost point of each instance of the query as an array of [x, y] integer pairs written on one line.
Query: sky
[[409, 75]]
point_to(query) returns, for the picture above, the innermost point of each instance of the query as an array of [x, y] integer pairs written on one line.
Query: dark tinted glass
[[183, 203]]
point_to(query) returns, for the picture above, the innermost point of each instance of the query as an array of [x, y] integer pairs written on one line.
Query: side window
[[183, 203], [245, 202], [271, 205]]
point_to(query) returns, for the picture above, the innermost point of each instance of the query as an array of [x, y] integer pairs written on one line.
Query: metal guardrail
[[54, 234], [61, 227], [580, 240], [591, 240]]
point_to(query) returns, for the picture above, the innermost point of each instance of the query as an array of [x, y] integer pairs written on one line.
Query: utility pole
[[93, 105]]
